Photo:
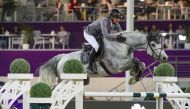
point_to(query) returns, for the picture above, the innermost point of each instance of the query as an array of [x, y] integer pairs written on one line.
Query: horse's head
[[138, 40], [154, 47]]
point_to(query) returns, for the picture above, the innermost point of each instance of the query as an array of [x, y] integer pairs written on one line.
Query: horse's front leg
[[126, 64], [137, 68], [57, 73], [132, 64]]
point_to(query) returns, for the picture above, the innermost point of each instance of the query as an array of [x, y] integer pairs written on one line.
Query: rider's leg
[[92, 41], [91, 61]]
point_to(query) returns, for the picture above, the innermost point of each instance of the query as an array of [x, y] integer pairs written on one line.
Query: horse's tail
[[48, 71]]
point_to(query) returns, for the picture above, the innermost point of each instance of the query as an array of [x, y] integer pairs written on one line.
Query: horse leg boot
[[91, 60]]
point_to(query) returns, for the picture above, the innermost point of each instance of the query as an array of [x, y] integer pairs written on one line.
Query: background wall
[[76, 28]]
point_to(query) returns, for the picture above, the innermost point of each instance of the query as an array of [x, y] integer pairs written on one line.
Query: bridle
[[149, 40], [157, 56]]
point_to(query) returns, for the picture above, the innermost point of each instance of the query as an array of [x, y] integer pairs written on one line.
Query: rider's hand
[[120, 38]]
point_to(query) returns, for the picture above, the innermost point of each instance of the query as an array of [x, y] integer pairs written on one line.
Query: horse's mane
[[135, 38]]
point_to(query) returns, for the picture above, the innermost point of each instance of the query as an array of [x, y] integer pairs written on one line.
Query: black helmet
[[115, 13]]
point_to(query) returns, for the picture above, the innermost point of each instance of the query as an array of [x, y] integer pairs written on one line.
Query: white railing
[[182, 103]]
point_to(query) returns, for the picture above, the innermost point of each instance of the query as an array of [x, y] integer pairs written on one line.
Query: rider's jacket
[[103, 27]]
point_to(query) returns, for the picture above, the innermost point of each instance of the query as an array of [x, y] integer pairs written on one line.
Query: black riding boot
[[91, 61]]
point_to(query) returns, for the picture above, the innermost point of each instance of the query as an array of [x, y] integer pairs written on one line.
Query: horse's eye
[[153, 45]]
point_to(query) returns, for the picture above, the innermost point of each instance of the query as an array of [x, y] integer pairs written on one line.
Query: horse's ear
[[157, 34], [155, 38], [149, 36]]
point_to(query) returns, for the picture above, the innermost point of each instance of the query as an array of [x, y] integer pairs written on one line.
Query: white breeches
[[92, 41]]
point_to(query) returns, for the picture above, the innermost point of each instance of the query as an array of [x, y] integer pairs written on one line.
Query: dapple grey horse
[[117, 57]]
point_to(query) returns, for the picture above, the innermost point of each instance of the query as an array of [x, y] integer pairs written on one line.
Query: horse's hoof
[[86, 81], [133, 73], [142, 66], [133, 80]]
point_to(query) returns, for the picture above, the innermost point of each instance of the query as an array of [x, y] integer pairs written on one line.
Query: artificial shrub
[[40, 90], [19, 66], [73, 66], [187, 90], [165, 69]]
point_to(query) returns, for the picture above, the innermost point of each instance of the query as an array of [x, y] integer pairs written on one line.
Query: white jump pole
[[159, 101], [137, 95]]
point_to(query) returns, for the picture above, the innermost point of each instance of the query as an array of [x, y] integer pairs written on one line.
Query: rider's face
[[115, 20]]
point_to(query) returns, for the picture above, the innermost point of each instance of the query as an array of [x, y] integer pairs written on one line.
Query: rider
[[99, 28]]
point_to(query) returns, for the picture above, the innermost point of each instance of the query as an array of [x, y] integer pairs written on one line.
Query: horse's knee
[[142, 65]]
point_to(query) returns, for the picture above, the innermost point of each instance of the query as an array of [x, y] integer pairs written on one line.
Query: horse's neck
[[114, 49], [117, 53], [122, 50]]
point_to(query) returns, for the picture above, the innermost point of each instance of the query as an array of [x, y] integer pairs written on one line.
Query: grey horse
[[117, 57]]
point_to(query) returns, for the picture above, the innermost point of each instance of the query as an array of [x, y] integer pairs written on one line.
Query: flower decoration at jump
[[73, 66], [165, 69], [19, 65], [40, 90]]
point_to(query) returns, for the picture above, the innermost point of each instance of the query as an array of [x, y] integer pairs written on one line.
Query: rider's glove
[[120, 38]]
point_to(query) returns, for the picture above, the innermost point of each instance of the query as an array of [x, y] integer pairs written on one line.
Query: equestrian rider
[[99, 28]]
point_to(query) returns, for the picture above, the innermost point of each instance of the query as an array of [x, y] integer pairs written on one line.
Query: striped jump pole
[[139, 95]]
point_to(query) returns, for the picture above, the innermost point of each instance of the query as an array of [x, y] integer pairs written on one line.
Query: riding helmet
[[115, 13]]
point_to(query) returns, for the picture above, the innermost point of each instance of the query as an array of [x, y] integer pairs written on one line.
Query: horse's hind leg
[[87, 81], [58, 77]]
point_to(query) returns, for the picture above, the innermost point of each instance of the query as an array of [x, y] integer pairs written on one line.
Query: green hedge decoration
[[165, 69], [73, 66], [40, 90], [0, 106], [187, 90], [19, 66]]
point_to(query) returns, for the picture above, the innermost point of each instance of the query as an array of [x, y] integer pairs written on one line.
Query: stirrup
[[91, 71]]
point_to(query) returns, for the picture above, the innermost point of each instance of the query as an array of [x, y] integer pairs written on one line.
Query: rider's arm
[[104, 28], [119, 27]]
